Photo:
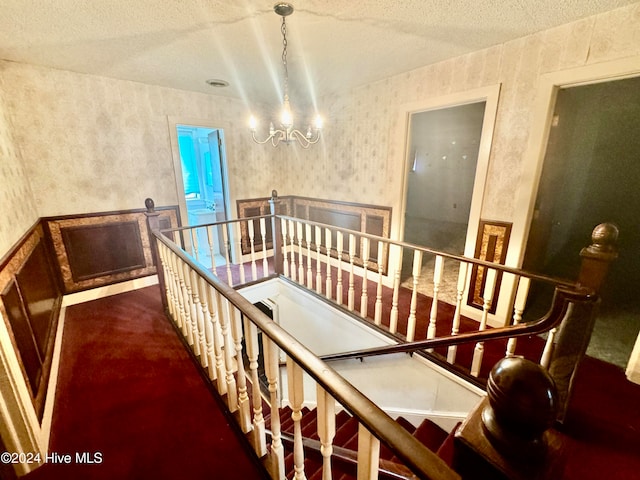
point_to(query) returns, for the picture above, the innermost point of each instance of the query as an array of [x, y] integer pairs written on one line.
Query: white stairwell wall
[[400, 384]]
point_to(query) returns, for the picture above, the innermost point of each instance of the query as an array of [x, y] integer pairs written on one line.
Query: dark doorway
[[590, 175]]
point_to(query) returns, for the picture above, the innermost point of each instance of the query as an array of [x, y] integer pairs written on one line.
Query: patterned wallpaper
[[363, 152], [17, 212], [93, 144], [96, 144]]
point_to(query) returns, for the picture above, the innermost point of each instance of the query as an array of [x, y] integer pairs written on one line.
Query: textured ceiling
[[333, 44]]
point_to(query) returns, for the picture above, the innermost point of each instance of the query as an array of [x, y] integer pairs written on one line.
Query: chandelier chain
[[283, 29]]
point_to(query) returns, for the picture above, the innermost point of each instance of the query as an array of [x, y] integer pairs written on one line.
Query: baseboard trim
[[108, 290]]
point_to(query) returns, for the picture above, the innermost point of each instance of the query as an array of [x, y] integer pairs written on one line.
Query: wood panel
[[30, 301], [491, 245], [104, 249], [93, 250]]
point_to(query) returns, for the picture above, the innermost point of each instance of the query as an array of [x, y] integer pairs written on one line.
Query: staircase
[[345, 445]]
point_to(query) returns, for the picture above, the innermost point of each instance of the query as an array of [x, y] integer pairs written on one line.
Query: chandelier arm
[[253, 135], [302, 138]]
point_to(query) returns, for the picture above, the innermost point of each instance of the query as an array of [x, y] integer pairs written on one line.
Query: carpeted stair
[[346, 437]]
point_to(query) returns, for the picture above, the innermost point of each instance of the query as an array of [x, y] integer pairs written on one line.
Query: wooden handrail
[[562, 299]]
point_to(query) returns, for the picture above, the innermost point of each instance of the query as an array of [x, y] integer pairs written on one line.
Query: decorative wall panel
[[492, 243], [30, 303], [99, 249]]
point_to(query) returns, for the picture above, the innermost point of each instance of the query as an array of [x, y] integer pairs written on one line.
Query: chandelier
[[287, 133]]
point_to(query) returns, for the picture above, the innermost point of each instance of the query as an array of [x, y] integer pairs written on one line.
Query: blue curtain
[[189, 164]]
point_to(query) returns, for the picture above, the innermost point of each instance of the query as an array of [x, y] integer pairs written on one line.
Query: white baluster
[[352, 256], [254, 268], [229, 350], [326, 411], [296, 398], [193, 233], [293, 268], [169, 284], [393, 316], [549, 345], [318, 263], [195, 310], [211, 242], [180, 289], [259, 438], [263, 234], [285, 247], [368, 454], [271, 358], [411, 321], [218, 342], [377, 316], [518, 308], [241, 262], [487, 297], [227, 250], [455, 327], [195, 288], [244, 407], [364, 297], [300, 250], [188, 303], [309, 270], [433, 315], [208, 310], [339, 282], [329, 279]]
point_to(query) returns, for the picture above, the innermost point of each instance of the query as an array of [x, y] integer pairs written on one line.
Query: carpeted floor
[[130, 397]]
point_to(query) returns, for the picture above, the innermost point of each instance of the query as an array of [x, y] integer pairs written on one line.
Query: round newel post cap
[[150, 204], [603, 239], [522, 405]]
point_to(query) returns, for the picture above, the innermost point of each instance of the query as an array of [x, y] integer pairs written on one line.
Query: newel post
[[276, 233], [574, 333], [153, 222]]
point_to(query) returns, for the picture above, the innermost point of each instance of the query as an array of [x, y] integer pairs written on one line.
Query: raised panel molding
[[93, 250]]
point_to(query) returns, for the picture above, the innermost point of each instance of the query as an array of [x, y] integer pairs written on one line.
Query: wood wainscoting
[[98, 249], [371, 219], [30, 300]]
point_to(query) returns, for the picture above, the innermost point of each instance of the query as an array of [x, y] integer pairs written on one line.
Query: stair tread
[[346, 431], [385, 452], [430, 434]]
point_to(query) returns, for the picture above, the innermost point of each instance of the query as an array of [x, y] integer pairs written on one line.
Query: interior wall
[[363, 155], [18, 212], [93, 144]]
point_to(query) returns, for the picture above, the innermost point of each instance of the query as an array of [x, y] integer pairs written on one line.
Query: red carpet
[[129, 391]]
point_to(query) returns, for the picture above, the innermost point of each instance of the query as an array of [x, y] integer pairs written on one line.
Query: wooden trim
[[77, 239], [491, 245], [32, 247]]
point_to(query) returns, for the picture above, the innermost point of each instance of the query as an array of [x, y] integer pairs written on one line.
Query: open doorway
[[448, 147], [589, 176], [444, 146], [199, 162]]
